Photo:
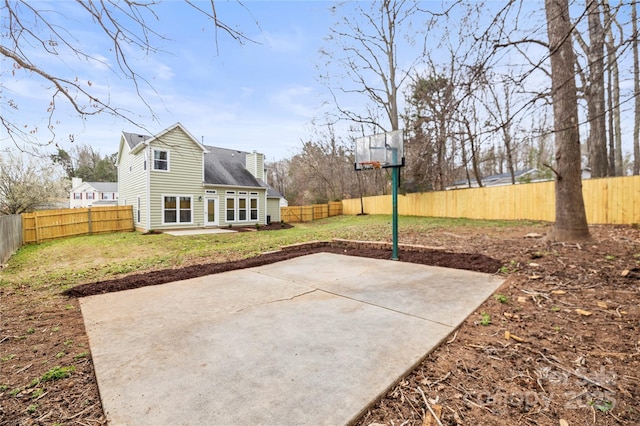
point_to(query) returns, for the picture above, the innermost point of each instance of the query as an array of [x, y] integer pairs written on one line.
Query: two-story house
[[173, 181], [89, 194]]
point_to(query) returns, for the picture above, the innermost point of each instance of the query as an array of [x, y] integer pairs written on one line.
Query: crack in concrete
[[385, 308], [295, 296]]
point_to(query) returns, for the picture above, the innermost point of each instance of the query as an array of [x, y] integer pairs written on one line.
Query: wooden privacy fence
[[607, 201], [10, 236], [293, 214], [47, 225]]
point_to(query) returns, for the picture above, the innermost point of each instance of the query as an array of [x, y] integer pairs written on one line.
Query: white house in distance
[[173, 181], [92, 194]]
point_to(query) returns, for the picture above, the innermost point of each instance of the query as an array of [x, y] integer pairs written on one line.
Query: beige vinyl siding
[[255, 164], [184, 178], [273, 209], [132, 179]]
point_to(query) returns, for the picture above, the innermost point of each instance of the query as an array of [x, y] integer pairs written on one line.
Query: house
[[521, 176], [173, 181], [89, 194]]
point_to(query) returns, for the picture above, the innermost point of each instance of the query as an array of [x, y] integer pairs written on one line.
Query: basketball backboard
[[380, 151]]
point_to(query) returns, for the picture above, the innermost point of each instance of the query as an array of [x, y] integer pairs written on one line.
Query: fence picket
[[48, 225], [613, 200]]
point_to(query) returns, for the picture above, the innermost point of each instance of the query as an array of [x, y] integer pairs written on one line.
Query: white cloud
[[297, 100]]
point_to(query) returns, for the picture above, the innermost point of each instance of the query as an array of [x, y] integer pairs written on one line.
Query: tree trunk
[[612, 147], [612, 54], [571, 219], [636, 89], [595, 98], [474, 151]]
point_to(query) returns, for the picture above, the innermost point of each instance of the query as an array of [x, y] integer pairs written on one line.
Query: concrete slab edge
[[416, 364], [340, 242], [401, 377]]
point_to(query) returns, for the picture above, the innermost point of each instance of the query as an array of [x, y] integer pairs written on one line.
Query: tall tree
[[432, 106], [614, 90], [595, 93], [571, 218], [85, 162], [366, 48], [28, 183], [636, 89]]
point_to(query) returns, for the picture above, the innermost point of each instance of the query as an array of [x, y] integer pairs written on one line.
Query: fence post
[[35, 223], [89, 217]]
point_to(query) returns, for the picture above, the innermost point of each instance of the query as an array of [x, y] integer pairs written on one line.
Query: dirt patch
[[571, 313]]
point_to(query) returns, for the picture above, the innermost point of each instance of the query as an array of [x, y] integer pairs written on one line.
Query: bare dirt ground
[[558, 344]]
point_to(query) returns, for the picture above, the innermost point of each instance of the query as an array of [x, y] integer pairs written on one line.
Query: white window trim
[[236, 206], [178, 196], [257, 207], [246, 209], [227, 209], [153, 160]]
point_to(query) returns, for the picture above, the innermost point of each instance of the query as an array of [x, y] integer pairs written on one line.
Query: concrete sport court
[[308, 341]]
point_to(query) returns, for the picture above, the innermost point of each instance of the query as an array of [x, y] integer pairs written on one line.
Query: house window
[[231, 209], [138, 210], [77, 195], [242, 209], [160, 160], [176, 209], [108, 196], [254, 208], [91, 196]]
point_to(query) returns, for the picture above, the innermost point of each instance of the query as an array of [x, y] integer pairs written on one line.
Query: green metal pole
[[395, 180]]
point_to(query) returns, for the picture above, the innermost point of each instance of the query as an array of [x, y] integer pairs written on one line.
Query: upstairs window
[[77, 195], [91, 196], [160, 160]]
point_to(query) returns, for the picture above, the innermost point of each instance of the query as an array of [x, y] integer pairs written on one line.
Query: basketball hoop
[[383, 151], [367, 165]]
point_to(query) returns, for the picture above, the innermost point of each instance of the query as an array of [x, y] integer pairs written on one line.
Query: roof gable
[[175, 127], [227, 167], [135, 142]]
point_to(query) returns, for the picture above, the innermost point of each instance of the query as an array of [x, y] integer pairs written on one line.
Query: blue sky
[[256, 96]]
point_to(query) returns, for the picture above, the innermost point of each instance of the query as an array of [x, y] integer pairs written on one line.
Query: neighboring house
[[90, 194], [173, 181], [521, 176]]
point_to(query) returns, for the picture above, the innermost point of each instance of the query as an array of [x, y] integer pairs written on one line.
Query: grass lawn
[[60, 264]]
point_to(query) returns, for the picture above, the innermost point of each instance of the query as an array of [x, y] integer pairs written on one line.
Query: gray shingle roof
[[227, 167], [134, 139], [105, 186]]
